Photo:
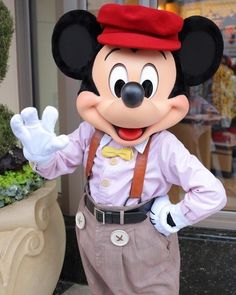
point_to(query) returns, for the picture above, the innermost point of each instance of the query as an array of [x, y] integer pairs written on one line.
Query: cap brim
[[134, 40]]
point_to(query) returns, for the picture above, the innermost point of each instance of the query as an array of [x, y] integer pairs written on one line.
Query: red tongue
[[130, 134]]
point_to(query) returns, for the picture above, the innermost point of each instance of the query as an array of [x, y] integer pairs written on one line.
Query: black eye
[[149, 80], [118, 86], [148, 88], [117, 79]]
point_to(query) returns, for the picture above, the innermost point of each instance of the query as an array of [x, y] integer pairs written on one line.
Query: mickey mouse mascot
[[135, 64]]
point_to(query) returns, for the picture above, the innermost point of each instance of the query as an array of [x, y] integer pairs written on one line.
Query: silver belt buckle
[[96, 211]]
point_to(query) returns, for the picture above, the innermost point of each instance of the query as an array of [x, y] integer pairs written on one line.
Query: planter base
[[32, 244]]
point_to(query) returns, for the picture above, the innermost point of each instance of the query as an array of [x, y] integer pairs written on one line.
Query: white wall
[[9, 87]]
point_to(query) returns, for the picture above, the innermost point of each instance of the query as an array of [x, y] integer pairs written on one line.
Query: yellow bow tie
[[111, 152]]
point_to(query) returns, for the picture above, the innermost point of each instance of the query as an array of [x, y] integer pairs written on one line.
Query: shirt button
[[113, 161], [119, 238], [105, 182], [80, 220]]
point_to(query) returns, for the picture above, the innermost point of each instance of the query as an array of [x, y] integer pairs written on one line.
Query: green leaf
[[17, 185]]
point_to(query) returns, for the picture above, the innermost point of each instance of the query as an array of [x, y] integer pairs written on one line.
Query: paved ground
[[77, 289]]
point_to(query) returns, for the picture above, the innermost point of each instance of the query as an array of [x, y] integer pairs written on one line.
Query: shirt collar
[[139, 147]]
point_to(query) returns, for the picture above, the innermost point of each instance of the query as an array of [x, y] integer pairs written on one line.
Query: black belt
[[131, 216]]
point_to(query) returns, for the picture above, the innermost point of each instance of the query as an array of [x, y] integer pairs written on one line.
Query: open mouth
[[129, 133]]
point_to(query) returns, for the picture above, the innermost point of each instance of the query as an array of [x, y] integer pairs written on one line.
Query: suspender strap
[[139, 173], [94, 144]]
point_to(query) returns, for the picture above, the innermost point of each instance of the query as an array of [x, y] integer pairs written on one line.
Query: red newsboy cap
[[136, 26]]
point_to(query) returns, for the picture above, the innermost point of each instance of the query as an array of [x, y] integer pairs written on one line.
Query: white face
[[154, 72]]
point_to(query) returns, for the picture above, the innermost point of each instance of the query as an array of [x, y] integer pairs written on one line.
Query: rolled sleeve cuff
[[37, 167], [178, 217]]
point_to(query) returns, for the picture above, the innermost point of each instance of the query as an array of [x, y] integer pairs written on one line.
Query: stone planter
[[32, 244]]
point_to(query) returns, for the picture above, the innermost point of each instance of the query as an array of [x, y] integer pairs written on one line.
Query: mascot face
[[134, 86], [135, 70]]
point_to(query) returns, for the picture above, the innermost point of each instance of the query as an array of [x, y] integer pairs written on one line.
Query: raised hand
[[37, 136]]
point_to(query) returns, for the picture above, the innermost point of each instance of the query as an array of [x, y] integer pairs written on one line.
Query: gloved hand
[[37, 136], [166, 217]]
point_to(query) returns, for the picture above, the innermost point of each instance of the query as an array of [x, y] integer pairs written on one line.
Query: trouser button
[[80, 220], [119, 238]]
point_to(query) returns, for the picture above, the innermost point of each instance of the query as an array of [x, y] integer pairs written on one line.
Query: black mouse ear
[[201, 50], [74, 42]]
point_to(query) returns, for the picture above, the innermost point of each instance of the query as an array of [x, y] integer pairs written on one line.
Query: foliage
[[6, 31], [13, 160], [7, 139], [17, 185], [18, 180]]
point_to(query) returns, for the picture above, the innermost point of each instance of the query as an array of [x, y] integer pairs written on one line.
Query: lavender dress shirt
[[169, 162]]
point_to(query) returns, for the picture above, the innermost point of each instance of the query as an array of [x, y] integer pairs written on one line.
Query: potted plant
[[32, 232]]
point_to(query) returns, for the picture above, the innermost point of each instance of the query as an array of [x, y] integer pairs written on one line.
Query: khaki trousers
[[148, 264]]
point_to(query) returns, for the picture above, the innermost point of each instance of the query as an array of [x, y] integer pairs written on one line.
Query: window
[[209, 129]]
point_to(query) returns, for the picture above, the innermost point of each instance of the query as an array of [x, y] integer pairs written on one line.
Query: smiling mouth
[[129, 133]]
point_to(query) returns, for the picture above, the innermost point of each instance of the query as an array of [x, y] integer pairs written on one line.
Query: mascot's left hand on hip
[[166, 217]]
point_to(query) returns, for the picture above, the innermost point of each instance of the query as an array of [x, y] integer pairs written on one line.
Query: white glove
[[159, 213], [37, 136]]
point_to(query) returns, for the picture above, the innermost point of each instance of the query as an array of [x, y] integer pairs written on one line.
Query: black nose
[[132, 94]]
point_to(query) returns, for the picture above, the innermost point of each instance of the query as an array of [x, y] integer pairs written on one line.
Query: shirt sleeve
[[67, 160], [205, 194]]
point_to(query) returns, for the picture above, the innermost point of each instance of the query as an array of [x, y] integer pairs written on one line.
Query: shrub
[[7, 139], [6, 31]]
